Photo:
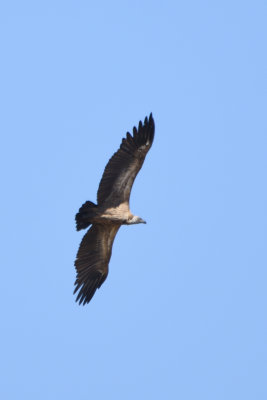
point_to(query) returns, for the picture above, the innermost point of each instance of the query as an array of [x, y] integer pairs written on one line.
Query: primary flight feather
[[112, 210]]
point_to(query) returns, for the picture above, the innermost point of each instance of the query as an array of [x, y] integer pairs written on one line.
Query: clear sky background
[[183, 312]]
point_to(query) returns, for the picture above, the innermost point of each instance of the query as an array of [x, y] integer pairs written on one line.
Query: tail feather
[[84, 216]]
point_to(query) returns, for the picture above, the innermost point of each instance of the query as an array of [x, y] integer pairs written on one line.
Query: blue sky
[[182, 314]]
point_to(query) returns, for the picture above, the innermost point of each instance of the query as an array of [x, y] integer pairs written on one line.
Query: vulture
[[111, 211]]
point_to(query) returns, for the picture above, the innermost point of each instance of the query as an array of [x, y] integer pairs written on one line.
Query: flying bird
[[111, 211]]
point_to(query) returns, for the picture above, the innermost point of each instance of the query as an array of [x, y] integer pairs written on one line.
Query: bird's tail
[[85, 215]]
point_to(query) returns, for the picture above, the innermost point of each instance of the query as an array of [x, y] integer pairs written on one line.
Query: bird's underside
[[112, 210]]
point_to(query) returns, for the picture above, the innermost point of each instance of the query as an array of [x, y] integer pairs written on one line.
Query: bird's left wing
[[92, 260]]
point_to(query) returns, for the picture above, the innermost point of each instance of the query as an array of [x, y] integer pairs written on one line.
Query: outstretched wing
[[124, 165], [92, 260]]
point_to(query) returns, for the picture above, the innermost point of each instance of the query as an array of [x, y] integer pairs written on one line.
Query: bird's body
[[111, 212]]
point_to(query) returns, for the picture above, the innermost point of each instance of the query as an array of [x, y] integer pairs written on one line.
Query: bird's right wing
[[124, 165], [92, 260]]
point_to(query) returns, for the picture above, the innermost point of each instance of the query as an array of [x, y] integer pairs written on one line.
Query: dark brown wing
[[92, 260], [124, 165]]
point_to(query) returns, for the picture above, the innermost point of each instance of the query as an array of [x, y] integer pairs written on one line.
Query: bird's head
[[136, 220]]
